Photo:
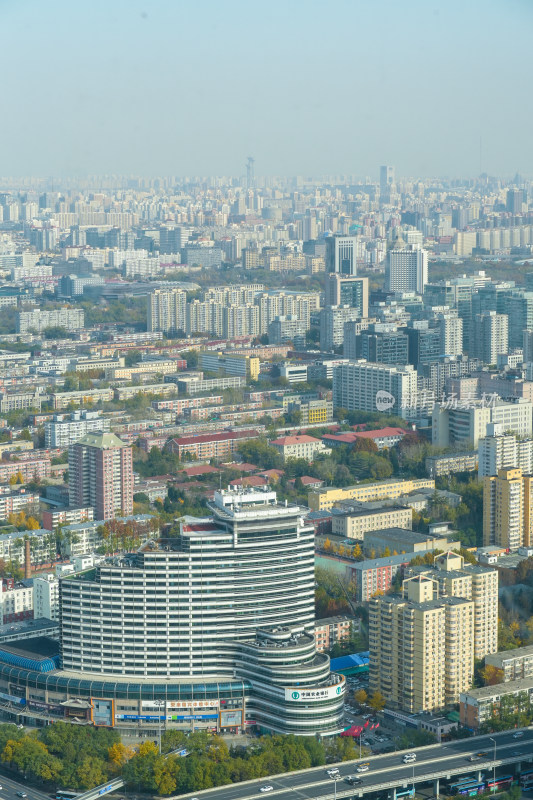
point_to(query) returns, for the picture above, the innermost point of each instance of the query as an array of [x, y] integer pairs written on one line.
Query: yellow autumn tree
[[118, 754], [148, 748], [357, 552]]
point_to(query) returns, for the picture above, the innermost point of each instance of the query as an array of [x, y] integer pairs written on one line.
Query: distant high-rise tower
[[341, 254], [250, 176], [101, 475], [386, 178], [515, 198]]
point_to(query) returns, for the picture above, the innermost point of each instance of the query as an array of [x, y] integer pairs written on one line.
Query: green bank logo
[[338, 689], [295, 695]]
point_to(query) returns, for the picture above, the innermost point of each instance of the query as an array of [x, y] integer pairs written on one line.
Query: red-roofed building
[[244, 467], [250, 480], [202, 469], [308, 482], [384, 437], [301, 446], [272, 475], [210, 445]]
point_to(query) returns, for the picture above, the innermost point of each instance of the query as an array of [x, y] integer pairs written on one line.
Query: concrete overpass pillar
[[393, 794], [436, 787], [479, 775]]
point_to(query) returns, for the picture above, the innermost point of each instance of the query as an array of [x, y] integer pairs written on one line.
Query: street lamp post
[[160, 705], [335, 783], [493, 765]]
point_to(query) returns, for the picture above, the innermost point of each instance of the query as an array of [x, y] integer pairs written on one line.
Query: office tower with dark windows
[[347, 290], [341, 254]]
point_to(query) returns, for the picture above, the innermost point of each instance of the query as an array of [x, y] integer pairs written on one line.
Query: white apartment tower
[[451, 334], [46, 596], [364, 386], [166, 310], [491, 336], [500, 450], [406, 268]]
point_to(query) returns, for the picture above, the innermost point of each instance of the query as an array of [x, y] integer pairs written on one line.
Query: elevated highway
[[388, 773]]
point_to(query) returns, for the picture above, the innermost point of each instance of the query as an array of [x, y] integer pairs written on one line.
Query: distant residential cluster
[[247, 425]]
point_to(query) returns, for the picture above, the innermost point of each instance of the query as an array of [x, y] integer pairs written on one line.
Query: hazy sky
[[176, 87]]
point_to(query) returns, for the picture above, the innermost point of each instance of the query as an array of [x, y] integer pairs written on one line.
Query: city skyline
[[164, 88]]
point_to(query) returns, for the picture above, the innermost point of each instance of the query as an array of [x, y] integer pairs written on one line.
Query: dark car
[[353, 780]]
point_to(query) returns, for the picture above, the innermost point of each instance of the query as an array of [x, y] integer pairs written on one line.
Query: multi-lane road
[[10, 788], [386, 771]]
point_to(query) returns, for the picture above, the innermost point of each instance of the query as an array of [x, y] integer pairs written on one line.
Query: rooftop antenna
[[250, 177]]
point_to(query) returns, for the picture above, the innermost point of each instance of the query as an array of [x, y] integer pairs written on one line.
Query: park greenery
[[61, 754]]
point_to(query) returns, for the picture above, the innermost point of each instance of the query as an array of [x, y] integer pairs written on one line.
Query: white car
[[266, 789], [408, 757], [362, 768], [332, 772]]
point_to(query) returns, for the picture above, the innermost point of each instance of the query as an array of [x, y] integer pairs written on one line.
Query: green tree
[[259, 452], [91, 772]]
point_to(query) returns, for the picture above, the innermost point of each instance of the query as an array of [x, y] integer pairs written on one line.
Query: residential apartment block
[[225, 363], [508, 509], [101, 475], [65, 429], [46, 596], [501, 450], [194, 385], [220, 446], [333, 630], [364, 386], [66, 516], [71, 319], [477, 706], [299, 446], [166, 310], [477, 583], [468, 423], [13, 502], [436, 466], [356, 523], [421, 646], [391, 489], [513, 664]]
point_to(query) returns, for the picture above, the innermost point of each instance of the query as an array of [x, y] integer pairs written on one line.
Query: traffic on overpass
[[488, 762]]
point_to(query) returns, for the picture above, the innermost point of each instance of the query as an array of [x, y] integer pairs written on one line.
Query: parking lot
[[377, 740]]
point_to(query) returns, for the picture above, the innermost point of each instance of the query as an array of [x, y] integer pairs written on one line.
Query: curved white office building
[[212, 628]]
